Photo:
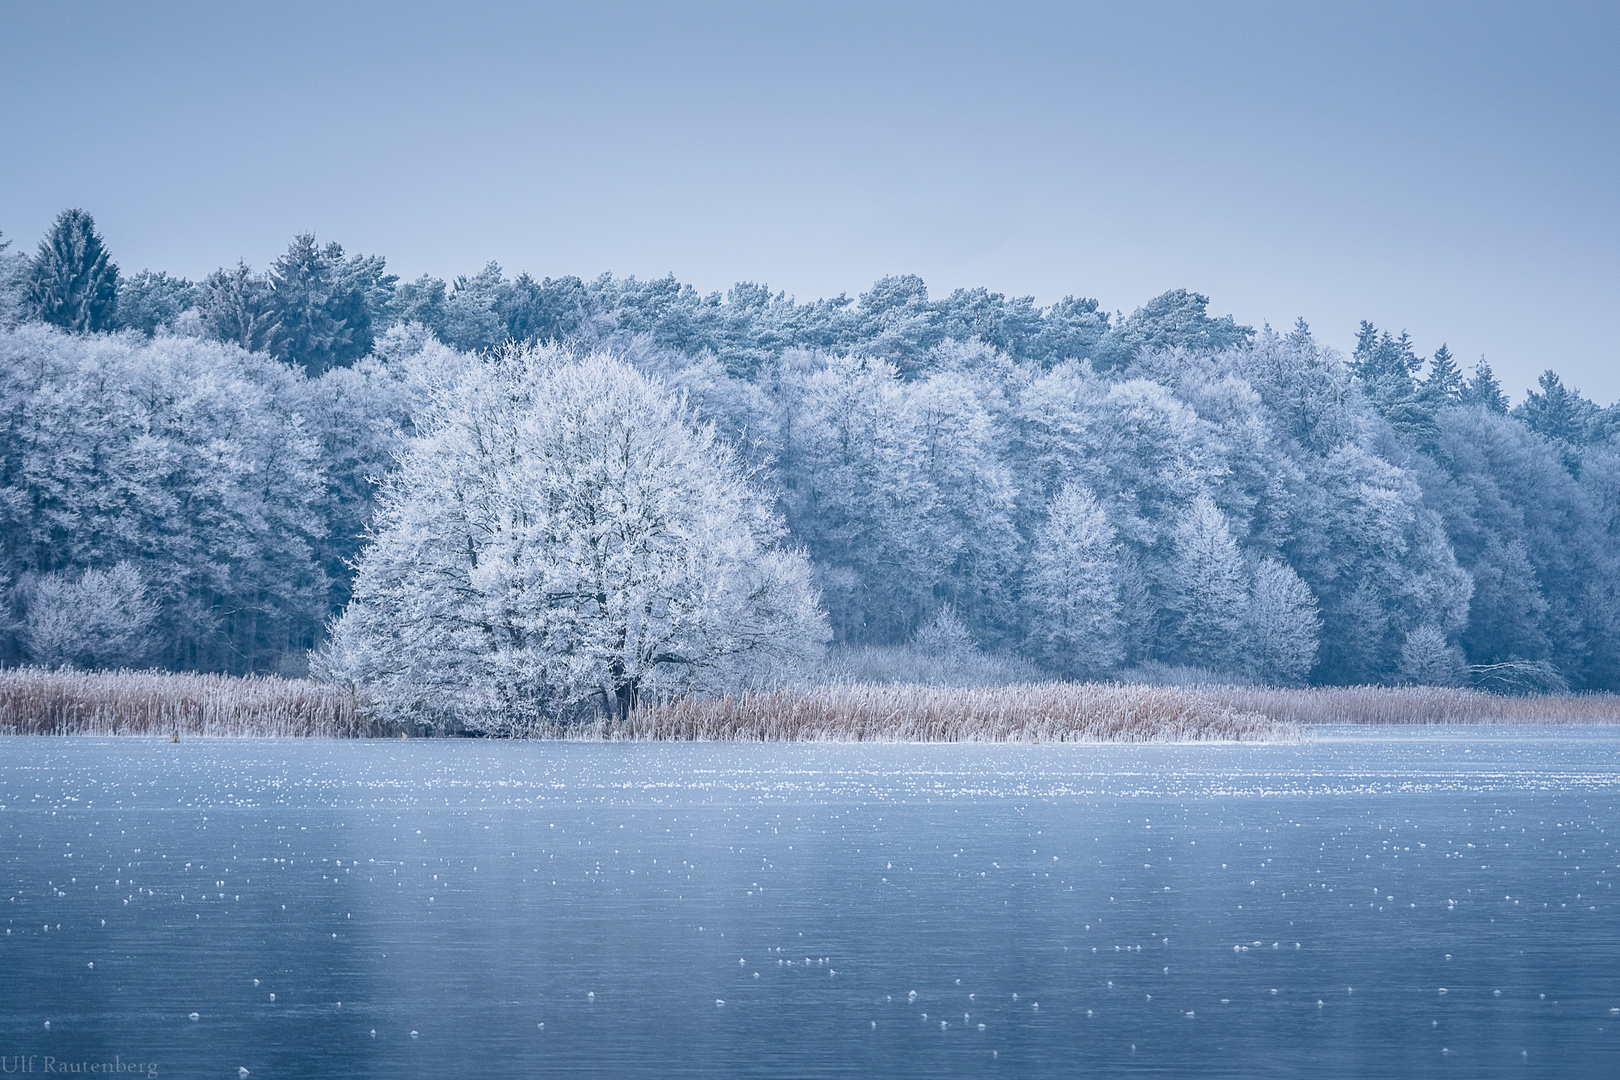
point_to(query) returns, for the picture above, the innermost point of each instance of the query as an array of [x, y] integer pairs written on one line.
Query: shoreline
[[149, 704]]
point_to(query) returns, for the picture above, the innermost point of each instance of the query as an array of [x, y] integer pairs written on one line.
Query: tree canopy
[[1102, 495]]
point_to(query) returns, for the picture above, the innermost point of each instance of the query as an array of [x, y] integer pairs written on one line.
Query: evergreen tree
[[1177, 319], [898, 322], [1386, 368], [363, 295], [1071, 329], [1560, 414], [1483, 390], [420, 301], [1444, 386], [151, 300], [235, 307], [309, 327], [472, 318], [72, 282]]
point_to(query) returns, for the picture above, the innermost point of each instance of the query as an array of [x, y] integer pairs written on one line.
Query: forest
[[217, 476]]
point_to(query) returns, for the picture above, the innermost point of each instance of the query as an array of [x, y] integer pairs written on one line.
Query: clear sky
[[1450, 169]]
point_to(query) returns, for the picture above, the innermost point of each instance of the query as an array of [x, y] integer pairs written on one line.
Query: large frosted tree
[[563, 534]]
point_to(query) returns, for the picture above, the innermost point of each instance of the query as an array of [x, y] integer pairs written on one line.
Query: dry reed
[[1053, 712], [37, 701], [1413, 705]]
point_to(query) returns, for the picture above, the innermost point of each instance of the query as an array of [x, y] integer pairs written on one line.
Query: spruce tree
[[1564, 416], [308, 328], [1444, 386], [235, 307], [72, 283], [1385, 365], [1484, 390]]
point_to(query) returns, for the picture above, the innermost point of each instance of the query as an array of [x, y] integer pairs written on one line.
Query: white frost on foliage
[[561, 532]]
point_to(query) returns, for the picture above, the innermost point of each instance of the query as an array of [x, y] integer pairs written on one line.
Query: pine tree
[[1483, 389], [1444, 386], [236, 307], [72, 282], [308, 326], [1385, 367]]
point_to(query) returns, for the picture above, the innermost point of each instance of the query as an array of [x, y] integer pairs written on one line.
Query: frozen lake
[[1390, 902]]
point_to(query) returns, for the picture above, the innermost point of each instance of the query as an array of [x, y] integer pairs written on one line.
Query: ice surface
[[1381, 902]]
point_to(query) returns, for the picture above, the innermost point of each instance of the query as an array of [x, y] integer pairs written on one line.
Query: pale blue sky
[[1446, 168]]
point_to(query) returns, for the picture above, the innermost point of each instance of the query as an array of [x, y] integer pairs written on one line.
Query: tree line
[[189, 471]]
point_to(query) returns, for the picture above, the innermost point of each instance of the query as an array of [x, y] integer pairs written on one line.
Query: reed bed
[[1032, 712], [1413, 705], [37, 701]]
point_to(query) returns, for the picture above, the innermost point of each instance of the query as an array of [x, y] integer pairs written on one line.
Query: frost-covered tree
[[1206, 589], [13, 285], [1483, 390], [1565, 416], [235, 307], [471, 317], [1071, 587], [96, 619], [184, 457], [945, 637], [899, 490], [72, 281], [1386, 369], [1539, 543], [561, 532], [1428, 659], [1176, 319], [1444, 384], [1280, 625], [152, 300], [322, 305], [968, 523]]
